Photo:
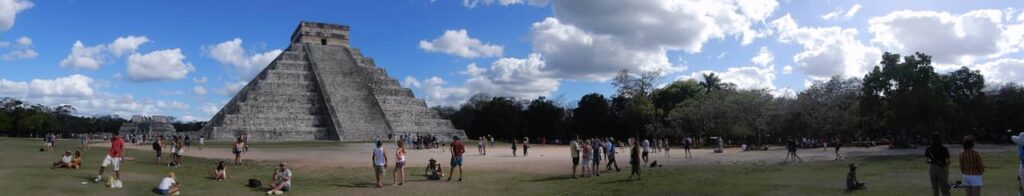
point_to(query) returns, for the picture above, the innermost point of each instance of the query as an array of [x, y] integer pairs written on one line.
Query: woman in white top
[[399, 173]]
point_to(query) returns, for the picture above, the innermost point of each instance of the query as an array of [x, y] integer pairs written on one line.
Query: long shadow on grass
[[358, 185], [617, 181], [553, 178]]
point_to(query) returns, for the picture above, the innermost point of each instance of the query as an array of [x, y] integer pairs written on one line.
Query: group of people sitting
[[69, 161]]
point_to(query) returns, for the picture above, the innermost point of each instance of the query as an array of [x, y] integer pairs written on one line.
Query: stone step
[[288, 75], [293, 56], [291, 65], [250, 109], [282, 98], [272, 133], [400, 100]]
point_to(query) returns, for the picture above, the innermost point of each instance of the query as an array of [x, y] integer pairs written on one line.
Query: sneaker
[[177, 193], [270, 192], [98, 179], [119, 184], [279, 192]]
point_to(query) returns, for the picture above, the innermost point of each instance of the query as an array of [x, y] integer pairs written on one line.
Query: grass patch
[[27, 172]]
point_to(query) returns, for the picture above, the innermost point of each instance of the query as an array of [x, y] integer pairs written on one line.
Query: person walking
[[113, 158], [634, 160], [610, 147], [972, 167], [515, 143], [526, 145], [399, 173], [237, 150], [380, 162], [791, 151], [457, 150], [647, 148], [938, 166], [839, 144], [574, 152], [596, 169]]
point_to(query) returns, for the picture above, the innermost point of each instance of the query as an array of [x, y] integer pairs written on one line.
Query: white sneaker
[[279, 192], [98, 179], [270, 192], [118, 184], [177, 193]]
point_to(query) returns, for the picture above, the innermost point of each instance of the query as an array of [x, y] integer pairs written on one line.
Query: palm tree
[[711, 82]]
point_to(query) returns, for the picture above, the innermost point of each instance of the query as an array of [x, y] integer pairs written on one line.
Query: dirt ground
[[542, 158]]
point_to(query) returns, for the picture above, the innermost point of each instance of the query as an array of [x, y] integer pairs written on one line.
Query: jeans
[[939, 176]]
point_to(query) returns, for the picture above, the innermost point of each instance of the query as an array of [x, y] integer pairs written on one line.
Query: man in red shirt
[[113, 158], [457, 150]]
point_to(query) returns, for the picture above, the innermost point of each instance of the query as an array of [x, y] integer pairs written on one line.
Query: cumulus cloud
[[230, 88], [458, 43], [246, 64], [176, 105], [20, 54], [828, 51], [84, 94], [745, 77], [199, 90], [200, 80], [158, 65], [1002, 70], [763, 57], [592, 40], [69, 86], [965, 38], [24, 41], [9, 9], [474, 3], [92, 57], [511, 77]]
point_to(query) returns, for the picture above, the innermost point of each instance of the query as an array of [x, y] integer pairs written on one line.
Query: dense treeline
[[18, 118], [900, 100]]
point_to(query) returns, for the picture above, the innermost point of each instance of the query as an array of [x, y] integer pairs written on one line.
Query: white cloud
[[853, 11], [828, 51], [200, 80], [9, 10], [92, 57], [1002, 70], [474, 3], [230, 88], [965, 38], [75, 85], [592, 40], [848, 14], [20, 54], [510, 77], [24, 41], [158, 65], [210, 108], [458, 43], [751, 77], [721, 55], [83, 93], [13, 88], [246, 64], [126, 45], [788, 69], [199, 90], [763, 57], [784, 93], [171, 105]]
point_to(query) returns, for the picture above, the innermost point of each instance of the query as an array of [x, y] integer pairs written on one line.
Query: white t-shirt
[[646, 145], [378, 154], [166, 183], [286, 173], [66, 159]]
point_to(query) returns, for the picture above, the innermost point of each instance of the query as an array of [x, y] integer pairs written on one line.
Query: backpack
[[254, 183], [156, 146]]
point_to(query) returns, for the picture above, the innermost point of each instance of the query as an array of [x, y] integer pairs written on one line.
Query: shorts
[[161, 191], [236, 151], [972, 181], [644, 154], [112, 161], [378, 169], [456, 161], [400, 164], [158, 153], [586, 162], [575, 161]]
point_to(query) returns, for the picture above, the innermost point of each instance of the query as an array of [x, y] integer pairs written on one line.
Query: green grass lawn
[[26, 171]]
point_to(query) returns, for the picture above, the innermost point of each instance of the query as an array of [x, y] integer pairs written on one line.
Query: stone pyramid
[[320, 88]]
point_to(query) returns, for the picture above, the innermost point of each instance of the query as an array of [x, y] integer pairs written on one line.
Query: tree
[[592, 116], [545, 118], [906, 97], [711, 82], [830, 107], [666, 98]]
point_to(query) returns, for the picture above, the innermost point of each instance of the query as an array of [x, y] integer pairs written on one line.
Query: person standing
[[647, 148], [380, 162], [202, 142], [84, 140], [791, 151], [515, 143], [158, 147], [610, 151], [586, 150], [687, 144], [938, 166], [237, 150], [839, 144], [634, 160], [399, 173], [574, 152], [113, 158], [972, 167], [1019, 140], [480, 146], [597, 156], [526, 145], [457, 150], [664, 143]]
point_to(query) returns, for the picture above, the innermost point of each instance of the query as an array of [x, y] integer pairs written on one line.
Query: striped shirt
[[970, 163]]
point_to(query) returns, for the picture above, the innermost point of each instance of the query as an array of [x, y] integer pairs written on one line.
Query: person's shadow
[[553, 178], [357, 185]]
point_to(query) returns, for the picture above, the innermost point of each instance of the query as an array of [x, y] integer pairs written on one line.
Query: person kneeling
[[168, 186], [851, 179]]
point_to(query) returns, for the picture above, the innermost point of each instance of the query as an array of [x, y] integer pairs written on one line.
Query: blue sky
[[187, 58]]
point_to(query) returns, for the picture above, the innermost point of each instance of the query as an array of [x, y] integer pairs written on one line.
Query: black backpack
[[156, 146], [254, 183]]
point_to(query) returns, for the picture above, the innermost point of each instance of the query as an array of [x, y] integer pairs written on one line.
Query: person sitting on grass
[[77, 161], [168, 186], [851, 179], [221, 173], [282, 180], [434, 170], [64, 162]]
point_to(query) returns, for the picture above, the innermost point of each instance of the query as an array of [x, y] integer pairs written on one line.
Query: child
[[168, 186], [221, 173], [851, 179]]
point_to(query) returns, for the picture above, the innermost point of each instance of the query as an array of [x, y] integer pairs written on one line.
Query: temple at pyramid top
[[320, 88]]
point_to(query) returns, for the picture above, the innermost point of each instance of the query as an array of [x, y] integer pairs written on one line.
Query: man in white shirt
[[282, 180], [646, 148], [168, 186], [380, 162]]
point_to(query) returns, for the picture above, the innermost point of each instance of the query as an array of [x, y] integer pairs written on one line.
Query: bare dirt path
[[542, 158]]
